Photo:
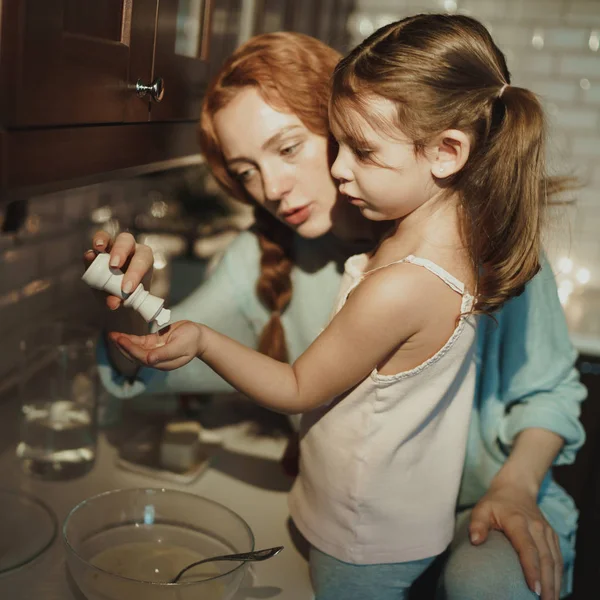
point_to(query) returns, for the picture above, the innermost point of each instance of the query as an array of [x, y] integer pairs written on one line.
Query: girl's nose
[[340, 169]]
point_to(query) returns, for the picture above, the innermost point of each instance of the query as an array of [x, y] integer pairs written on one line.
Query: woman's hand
[[512, 509], [169, 349], [135, 260]]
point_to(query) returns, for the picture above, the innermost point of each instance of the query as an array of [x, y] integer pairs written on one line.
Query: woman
[[264, 133]]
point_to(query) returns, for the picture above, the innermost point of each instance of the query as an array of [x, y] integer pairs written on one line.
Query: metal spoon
[[256, 555]]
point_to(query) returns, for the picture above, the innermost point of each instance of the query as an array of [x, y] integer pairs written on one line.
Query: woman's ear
[[449, 153]]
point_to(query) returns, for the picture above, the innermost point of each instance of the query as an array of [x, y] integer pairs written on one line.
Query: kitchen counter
[[245, 475]]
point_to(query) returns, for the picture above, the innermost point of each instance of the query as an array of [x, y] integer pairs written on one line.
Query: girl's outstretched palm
[[171, 348]]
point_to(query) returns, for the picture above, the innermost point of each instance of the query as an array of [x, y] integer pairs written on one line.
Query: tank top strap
[[451, 281], [457, 285]]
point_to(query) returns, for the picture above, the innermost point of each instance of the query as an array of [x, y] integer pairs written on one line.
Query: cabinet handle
[[156, 90]]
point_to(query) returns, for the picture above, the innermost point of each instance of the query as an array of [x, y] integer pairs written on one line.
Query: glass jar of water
[[58, 388]]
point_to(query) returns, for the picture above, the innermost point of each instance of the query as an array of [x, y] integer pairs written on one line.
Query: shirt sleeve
[[539, 383], [220, 302]]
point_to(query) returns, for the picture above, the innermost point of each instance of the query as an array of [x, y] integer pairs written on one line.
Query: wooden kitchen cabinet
[[181, 57], [64, 61], [77, 62], [323, 19], [226, 30], [70, 112], [271, 15], [69, 107]]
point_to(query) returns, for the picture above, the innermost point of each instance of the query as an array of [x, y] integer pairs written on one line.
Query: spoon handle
[[255, 555]]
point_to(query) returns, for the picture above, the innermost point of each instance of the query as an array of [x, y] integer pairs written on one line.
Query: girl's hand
[[169, 349], [513, 510], [135, 260]]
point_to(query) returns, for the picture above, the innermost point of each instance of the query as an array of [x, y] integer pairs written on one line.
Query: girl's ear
[[449, 153]]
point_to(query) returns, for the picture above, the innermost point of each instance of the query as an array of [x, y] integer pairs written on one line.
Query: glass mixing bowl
[[130, 543]]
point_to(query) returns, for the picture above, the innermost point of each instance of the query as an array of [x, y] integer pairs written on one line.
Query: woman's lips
[[298, 216]]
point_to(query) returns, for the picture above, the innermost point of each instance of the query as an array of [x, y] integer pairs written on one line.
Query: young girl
[[434, 139]]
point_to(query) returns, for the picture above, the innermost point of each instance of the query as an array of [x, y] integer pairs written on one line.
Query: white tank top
[[380, 466]]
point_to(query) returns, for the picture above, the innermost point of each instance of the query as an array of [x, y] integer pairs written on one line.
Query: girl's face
[[384, 177], [282, 165]]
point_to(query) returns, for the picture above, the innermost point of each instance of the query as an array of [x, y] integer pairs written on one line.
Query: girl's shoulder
[[407, 286], [399, 284], [393, 297]]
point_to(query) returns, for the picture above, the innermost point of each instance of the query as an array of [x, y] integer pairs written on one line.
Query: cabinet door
[[332, 24], [183, 30], [324, 19], [64, 62], [231, 23], [273, 15], [303, 17]]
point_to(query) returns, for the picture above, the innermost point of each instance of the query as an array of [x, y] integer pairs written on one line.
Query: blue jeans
[[491, 571], [333, 579]]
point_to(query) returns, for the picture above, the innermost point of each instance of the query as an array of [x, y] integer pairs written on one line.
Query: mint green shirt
[[526, 375]]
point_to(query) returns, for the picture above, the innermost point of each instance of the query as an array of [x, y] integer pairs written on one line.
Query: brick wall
[[553, 48], [41, 263]]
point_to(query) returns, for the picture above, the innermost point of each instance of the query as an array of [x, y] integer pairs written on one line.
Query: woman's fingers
[[141, 262], [88, 257], [122, 248], [101, 241], [480, 524], [546, 560], [135, 260], [554, 545], [113, 302], [520, 537]]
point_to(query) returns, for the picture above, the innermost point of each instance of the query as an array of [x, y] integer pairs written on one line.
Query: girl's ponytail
[[504, 192]]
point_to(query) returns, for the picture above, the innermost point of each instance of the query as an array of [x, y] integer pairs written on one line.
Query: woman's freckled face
[[282, 164]]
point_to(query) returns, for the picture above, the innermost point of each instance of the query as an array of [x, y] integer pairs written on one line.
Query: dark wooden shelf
[[43, 160]]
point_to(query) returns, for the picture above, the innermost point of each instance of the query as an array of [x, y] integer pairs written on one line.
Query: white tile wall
[[577, 118], [580, 65], [532, 64], [580, 12], [556, 91], [552, 47], [591, 95], [565, 38], [587, 147], [41, 264]]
